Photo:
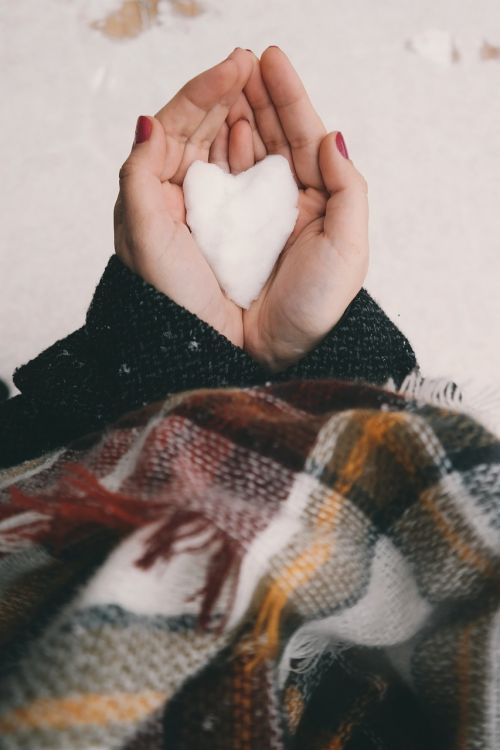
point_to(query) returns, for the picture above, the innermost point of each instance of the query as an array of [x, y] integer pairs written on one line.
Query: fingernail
[[248, 50], [143, 129], [339, 139]]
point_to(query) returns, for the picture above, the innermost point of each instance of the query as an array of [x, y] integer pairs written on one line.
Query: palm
[[198, 286], [294, 283], [150, 216], [317, 274], [234, 115]]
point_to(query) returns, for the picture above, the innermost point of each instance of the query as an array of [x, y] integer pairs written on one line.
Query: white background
[[426, 134]]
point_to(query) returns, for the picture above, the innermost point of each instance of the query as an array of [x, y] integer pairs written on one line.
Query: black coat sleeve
[[137, 346]]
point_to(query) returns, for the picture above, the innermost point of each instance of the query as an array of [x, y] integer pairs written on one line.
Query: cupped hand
[[325, 260], [234, 115], [151, 235]]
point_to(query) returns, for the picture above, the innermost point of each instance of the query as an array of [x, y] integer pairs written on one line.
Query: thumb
[[346, 219], [141, 218], [141, 192], [148, 150]]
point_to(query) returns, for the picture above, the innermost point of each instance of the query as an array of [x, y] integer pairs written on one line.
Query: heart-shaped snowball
[[241, 222]]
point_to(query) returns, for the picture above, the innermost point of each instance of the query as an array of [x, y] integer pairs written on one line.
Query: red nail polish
[[143, 129], [339, 140]]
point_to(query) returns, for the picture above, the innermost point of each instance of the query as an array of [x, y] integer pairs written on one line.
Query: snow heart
[[241, 222]]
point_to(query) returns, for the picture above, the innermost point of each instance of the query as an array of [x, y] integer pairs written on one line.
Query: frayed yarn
[[482, 402]]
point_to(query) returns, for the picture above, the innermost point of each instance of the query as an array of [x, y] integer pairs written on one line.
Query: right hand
[[325, 260], [151, 234]]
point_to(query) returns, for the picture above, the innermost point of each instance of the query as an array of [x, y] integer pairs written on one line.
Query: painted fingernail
[[339, 140], [143, 129]]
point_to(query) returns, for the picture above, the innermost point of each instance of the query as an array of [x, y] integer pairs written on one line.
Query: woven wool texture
[[311, 565], [137, 345]]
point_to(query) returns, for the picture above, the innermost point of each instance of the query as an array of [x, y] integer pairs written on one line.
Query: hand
[[325, 260], [151, 235]]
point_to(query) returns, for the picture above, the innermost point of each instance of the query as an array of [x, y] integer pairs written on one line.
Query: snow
[[435, 45], [426, 136], [241, 222]]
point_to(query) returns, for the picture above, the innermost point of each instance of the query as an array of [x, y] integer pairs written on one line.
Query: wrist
[[273, 340], [274, 353]]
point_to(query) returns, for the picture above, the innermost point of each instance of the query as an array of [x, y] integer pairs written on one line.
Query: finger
[[266, 117], [301, 123], [141, 201], [183, 114], [346, 219], [241, 151], [197, 145], [219, 150], [241, 110]]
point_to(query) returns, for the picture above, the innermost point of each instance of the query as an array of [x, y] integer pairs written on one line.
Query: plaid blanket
[[307, 565]]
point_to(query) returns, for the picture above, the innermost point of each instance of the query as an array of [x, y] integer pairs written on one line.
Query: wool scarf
[[311, 564]]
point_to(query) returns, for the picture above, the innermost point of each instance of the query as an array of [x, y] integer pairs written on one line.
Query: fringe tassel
[[305, 648], [433, 391], [481, 402], [265, 640], [266, 636], [74, 509], [80, 505], [224, 563]]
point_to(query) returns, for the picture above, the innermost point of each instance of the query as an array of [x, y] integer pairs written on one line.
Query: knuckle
[[303, 141], [276, 144], [362, 183], [126, 170], [118, 210], [201, 142]]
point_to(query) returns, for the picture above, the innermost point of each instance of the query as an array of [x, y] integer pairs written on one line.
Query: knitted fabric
[[312, 564], [138, 345]]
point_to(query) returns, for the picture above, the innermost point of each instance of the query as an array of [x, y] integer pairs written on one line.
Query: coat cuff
[[364, 345], [149, 346]]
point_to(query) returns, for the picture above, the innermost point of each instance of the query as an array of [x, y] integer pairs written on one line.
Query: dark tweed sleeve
[[137, 346], [364, 345]]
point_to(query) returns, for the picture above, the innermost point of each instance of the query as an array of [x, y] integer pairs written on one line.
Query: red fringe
[[182, 524], [224, 562], [79, 506], [76, 507]]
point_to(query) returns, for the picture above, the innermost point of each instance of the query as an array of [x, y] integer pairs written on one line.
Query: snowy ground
[[420, 112]]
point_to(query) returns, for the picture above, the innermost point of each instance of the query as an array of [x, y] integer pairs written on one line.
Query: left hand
[[325, 259], [151, 234]]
